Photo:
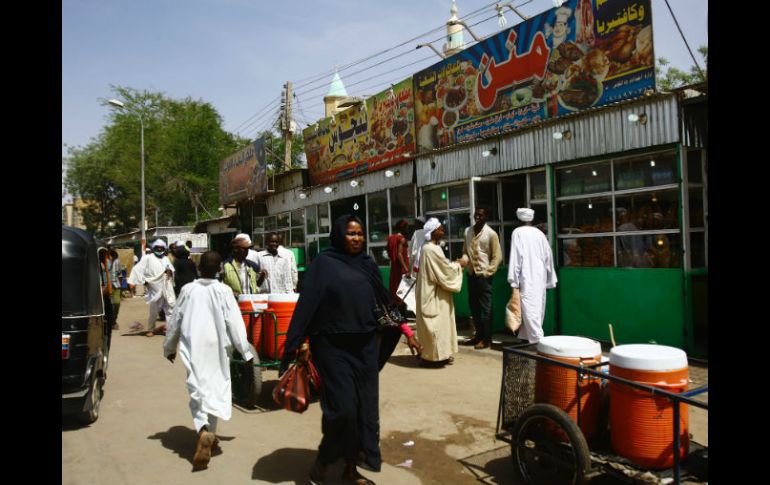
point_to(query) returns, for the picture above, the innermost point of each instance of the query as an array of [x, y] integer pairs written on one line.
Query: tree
[[275, 147], [183, 144], [668, 78]]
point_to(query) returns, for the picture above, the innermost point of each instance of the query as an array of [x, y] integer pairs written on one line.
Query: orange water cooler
[[642, 425], [282, 305], [252, 303], [559, 385]]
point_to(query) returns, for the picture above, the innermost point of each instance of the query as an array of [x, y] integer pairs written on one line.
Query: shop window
[[650, 251], [695, 166], [283, 220], [378, 217], [284, 234], [455, 229], [459, 196], [297, 237], [270, 223], [698, 249], [258, 240], [514, 195], [324, 243], [486, 197], [402, 204], [537, 186], [298, 218], [585, 216], [647, 171], [312, 219], [453, 250], [312, 250], [324, 222], [540, 220], [435, 199], [587, 252], [584, 179], [648, 211], [259, 224], [380, 255], [696, 207]]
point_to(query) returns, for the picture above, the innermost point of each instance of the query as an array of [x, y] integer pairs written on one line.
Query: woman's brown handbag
[[293, 389]]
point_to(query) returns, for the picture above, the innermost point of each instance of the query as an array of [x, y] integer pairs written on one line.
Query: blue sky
[[237, 54]]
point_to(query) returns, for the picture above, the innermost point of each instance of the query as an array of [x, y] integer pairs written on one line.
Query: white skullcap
[[430, 226], [179, 242], [160, 243], [525, 215], [243, 236]]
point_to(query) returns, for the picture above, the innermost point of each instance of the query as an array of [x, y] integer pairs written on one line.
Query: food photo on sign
[[570, 58]]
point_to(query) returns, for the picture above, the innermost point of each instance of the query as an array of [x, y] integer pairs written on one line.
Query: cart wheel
[[253, 377], [549, 448]]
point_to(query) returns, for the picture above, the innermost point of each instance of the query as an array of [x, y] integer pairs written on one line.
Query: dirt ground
[[145, 432]]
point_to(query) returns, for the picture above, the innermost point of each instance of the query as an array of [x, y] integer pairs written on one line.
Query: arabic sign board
[[243, 175], [363, 138], [584, 54]]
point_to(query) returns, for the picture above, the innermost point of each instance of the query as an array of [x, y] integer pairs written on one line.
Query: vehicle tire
[[548, 448], [95, 396]]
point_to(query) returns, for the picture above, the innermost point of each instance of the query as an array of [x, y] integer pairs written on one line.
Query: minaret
[[454, 34], [335, 96]]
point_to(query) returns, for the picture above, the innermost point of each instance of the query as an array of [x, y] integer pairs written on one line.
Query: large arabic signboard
[[362, 138], [243, 175], [583, 54]]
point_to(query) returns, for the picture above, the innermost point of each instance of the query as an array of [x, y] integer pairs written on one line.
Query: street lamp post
[[120, 105]]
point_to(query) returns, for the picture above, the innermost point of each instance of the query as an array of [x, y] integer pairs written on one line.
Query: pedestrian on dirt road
[[206, 325], [531, 270], [158, 273], [335, 309]]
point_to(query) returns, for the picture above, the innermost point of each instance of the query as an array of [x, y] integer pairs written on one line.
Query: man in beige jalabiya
[[437, 279], [481, 250]]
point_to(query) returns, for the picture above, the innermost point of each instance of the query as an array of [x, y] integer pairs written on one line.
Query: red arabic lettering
[[493, 77]]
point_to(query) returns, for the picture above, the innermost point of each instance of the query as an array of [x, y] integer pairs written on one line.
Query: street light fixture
[[120, 105]]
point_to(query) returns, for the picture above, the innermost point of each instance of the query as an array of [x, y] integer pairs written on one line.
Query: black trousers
[[480, 299], [349, 397]]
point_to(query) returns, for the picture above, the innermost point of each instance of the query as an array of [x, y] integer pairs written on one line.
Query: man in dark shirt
[[184, 269]]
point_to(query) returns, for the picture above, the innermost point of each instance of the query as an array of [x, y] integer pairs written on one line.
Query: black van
[[85, 332]]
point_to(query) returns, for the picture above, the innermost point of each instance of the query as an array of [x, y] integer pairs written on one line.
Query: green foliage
[[275, 147], [668, 78], [183, 144]]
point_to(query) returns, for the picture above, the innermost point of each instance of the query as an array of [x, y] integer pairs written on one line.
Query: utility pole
[[287, 129]]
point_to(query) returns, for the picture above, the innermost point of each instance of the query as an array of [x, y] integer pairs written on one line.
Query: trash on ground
[[406, 464], [408, 443]]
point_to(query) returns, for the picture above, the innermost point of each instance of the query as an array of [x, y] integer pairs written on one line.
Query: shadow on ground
[[409, 361], [285, 465], [182, 440]]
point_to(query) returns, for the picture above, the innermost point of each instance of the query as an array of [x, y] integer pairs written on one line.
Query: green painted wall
[[642, 304]]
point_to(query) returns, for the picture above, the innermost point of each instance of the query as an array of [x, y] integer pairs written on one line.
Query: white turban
[[159, 243], [429, 227], [245, 237], [525, 215], [420, 218]]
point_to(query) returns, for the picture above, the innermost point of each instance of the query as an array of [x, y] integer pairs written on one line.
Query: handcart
[[247, 380], [543, 456]]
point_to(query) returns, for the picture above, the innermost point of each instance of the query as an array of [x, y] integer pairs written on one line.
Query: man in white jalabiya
[[206, 326], [437, 279], [418, 237], [158, 273], [281, 269], [531, 270]]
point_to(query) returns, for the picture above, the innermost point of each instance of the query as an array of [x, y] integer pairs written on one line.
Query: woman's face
[[438, 233], [354, 238]]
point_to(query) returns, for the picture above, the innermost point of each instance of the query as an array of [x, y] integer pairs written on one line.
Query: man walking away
[[206, 325], [481, 250], [531, 270]]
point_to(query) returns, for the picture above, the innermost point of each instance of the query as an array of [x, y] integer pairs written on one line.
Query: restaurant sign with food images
[[584, 54], [243, 174], [366, 137]]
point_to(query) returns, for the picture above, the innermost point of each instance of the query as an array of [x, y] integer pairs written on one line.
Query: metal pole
[[143, 222]]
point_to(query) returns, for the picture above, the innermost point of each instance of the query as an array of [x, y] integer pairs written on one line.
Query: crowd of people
[[339, 311]]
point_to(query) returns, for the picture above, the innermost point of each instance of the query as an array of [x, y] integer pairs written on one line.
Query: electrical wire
[[703, 76]]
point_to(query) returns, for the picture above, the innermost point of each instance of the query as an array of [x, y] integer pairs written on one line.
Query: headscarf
[[402, 224], [525, 215], [427, 229]]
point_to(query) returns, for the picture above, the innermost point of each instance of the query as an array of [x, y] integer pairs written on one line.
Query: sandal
[[355, 478], [318, 473]]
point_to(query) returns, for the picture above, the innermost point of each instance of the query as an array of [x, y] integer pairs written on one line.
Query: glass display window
[[297, 237], [311, 214], [698, 249], [584, 216], [380, 255], [514, 195], [402, 204], [646, 171], [696, 206], [298, 218], [647, 211], [457, 223], [435, 199], [588, 252], [459, 196], [270, 224], [324, 221], [378, 217], [486, 197], [583, 179], [695, 166], [259, 224], [537, 186], [649, 250], [283, 220]]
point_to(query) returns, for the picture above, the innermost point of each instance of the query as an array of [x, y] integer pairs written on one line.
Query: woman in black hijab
[[335, 309]]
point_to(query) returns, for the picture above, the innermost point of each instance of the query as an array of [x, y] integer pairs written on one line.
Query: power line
[[267, 107], [703, 76]]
